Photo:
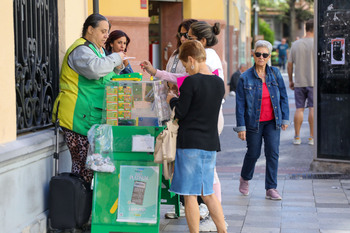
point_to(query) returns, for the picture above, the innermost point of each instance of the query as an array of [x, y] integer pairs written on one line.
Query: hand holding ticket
[[127, 58]]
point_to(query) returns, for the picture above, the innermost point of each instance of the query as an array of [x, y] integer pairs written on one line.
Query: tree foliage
[[264, 29], [291, 14]]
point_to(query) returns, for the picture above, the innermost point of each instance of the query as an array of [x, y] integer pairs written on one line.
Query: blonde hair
[[194, 49]]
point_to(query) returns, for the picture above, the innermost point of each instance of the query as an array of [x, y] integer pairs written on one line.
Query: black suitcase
[[70, 202], [70, 197]]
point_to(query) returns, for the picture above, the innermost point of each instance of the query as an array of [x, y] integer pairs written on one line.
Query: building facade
[[26, 163]]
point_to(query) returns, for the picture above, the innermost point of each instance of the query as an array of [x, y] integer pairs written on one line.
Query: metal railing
[[36, 62]]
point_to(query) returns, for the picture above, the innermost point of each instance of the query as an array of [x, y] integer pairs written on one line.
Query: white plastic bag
[[101, 148]]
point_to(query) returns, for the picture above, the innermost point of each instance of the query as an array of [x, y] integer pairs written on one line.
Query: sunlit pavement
[[311, 202]]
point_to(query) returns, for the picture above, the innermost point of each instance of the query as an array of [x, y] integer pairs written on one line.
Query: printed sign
[[143, 4], [338, 51], [138, 194]]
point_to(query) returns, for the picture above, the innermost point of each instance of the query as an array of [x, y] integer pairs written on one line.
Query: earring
[[192, 67]]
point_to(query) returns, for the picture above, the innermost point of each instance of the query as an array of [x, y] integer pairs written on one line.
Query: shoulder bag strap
[[176, 60]]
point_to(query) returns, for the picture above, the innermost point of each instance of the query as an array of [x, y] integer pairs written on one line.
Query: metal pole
[[228, 47], [96, 6], [256, 23]]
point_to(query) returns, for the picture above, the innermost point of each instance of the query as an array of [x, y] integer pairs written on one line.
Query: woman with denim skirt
[[262, 110], [197, 109]]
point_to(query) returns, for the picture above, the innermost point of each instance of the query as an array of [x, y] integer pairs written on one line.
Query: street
[[311, 203], [293, 159]]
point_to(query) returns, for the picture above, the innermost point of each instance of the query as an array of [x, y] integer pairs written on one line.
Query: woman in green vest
[[85, 71]]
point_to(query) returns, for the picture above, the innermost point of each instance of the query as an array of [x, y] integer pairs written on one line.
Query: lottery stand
[[128, 199]]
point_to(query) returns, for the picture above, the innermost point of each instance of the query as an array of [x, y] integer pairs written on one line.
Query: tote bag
[[165, 148]]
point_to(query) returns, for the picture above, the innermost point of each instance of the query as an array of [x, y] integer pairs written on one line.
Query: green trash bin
[[128, 200]]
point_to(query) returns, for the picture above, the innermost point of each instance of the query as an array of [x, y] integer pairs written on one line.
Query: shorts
[[194, 172], [302, 94]]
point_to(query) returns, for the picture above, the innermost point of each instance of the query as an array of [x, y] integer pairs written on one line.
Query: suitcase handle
[[56, 154]]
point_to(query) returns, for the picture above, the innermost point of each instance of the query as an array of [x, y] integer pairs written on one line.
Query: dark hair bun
[[216, 28]]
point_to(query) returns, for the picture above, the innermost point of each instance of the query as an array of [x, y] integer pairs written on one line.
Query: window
[[36, 62]]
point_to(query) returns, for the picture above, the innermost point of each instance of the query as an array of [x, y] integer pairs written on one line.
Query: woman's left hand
[[284, 127]]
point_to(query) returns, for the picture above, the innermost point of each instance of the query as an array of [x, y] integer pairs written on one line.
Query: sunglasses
[[192, 38], [265, 55], [179, 34]]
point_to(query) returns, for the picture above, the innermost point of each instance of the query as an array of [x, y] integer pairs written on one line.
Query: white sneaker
[[296, 140], [311, 141], [207, 224], [232, 93], [203, 211], [171, 214]]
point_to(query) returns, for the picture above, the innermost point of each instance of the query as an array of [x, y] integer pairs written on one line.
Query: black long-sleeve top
[[197, 109]]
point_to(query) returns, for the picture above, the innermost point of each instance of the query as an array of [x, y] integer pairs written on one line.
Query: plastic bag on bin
[[101, 148]]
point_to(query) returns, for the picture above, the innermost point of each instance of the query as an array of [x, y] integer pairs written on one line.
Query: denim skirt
[[194, 172]]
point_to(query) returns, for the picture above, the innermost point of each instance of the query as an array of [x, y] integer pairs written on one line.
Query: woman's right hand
[[122, 55], [173, 88], [170, 96], [242, 135], [147, 66]]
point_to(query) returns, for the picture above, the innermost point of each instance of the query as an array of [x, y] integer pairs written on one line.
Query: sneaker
[[203, 211], [311, 141], [296, 141], [243, 186], [171, 214], [273, 194], [232, 93], [207, 224]]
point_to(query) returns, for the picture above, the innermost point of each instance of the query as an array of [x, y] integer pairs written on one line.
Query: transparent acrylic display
[[136, 103]]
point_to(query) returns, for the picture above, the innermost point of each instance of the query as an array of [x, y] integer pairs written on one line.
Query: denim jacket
[[127, 70], [249, 95]]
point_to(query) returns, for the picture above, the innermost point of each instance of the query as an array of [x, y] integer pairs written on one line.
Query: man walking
[[282, 50], [302, 56], [235, 77]]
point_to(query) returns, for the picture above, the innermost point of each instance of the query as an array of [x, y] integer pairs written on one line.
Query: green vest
[[80, 101]]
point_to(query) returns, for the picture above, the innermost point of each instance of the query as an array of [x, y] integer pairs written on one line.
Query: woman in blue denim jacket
[[118, 41], [262, 110]]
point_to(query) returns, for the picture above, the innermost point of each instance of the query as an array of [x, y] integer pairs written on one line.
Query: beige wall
[[204, 9], [129, 8], [70, 26], [137, 29], [70, 23], [7, 74], [212, 12], [130, 18]]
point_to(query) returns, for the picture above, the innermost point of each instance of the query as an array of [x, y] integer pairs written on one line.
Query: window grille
[[36, 62]]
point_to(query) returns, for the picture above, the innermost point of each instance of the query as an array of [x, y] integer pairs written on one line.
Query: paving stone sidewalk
[[308, 206]]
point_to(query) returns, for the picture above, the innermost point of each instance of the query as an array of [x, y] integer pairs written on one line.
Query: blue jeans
[[271, 135], [282, 62]]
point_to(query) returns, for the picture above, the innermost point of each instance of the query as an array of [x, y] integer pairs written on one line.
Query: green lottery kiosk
[[128, 199]]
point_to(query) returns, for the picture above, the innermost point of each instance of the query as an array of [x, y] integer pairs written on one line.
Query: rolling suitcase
[[70, 198]]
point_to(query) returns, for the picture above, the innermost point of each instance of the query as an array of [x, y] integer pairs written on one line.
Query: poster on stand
[[138, 194], [338, 51]]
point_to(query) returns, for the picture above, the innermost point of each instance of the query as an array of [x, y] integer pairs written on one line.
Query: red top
[[266, 113]]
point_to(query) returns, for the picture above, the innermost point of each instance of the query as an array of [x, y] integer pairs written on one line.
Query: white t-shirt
[[213, 62]]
